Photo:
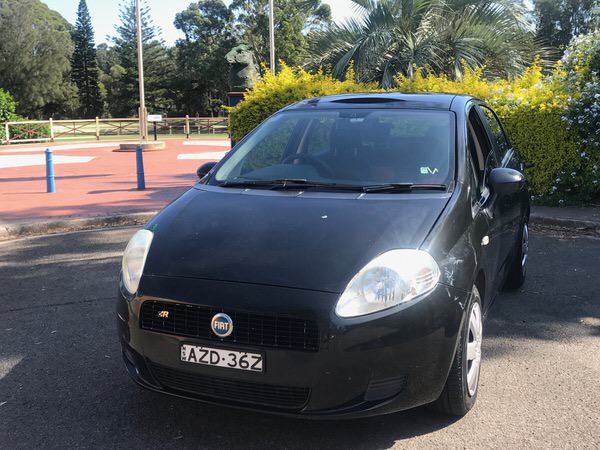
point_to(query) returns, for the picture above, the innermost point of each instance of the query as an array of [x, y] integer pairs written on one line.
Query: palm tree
[[388, 37]]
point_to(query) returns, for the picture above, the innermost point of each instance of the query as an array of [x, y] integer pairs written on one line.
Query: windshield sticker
[[429, 171]]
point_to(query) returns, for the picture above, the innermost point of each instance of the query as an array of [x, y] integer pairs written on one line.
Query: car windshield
[[372, 150]]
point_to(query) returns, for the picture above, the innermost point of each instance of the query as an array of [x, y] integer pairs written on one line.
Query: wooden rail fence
[[51, 130]]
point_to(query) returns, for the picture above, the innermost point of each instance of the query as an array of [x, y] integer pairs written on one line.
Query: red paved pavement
[[105, 186]]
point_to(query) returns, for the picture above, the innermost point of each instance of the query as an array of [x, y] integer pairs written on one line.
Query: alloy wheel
[[474, 341], [524, 247]]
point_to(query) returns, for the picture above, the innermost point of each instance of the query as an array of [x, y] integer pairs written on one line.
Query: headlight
[[390, 279], [134, 259]]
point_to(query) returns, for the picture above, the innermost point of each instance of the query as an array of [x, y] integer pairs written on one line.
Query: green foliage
[[543, 141], [389, 37], [84, 66], [274, 92], [293, 21], [201, 79], [7, 110], [559, 21], [579, 181], [123, 90], [7, 106], [35, 48]]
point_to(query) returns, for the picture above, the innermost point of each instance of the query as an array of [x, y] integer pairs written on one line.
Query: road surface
[[62, 382]]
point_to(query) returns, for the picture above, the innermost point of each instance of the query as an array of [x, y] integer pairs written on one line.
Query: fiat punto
[[339, 261]]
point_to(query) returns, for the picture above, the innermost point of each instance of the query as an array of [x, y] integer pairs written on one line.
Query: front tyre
[[460, 391]]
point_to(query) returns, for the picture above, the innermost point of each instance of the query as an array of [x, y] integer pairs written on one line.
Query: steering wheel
[[318, 164]]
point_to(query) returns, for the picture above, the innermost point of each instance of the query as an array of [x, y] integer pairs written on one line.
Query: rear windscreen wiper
[[404, 187]]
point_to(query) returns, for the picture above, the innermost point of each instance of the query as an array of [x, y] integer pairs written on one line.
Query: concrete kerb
[[560, 223], [9, 231]]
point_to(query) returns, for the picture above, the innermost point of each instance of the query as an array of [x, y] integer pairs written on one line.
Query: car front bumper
[[375, 364]]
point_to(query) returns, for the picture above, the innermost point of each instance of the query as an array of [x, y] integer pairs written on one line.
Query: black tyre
[[460, 391], [518, 267]]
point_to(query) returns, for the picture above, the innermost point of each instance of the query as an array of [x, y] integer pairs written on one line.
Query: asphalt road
[[62, 382]]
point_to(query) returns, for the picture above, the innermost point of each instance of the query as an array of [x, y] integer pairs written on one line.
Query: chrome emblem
[[163, 314], [222, 325]]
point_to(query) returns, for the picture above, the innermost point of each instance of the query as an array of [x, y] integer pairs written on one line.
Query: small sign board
[[154, 117]]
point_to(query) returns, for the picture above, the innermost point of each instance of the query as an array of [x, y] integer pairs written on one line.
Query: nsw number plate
[[230, 359]]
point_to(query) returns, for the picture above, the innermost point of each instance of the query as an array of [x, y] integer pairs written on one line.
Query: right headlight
[[390, 279], [134, 259]]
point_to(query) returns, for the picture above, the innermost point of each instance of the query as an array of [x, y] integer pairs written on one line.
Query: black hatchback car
[[339, 261]]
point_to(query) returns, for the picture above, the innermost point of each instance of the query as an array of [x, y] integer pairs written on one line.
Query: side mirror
[[203, 170], [506, 181]]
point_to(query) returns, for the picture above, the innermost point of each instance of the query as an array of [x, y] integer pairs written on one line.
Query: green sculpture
[[243, 69]]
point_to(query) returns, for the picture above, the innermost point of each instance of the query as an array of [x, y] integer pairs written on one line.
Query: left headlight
[[134, 259], [390, 279]]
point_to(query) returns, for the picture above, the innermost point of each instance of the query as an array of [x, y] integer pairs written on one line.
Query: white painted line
[[219, 143], [7, 364], [54, 147], [8, 161], [207, 155]]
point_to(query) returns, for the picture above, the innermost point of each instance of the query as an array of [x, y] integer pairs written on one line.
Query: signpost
[[154, 118]]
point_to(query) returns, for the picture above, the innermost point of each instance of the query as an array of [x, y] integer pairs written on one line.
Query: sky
[[105, 15]]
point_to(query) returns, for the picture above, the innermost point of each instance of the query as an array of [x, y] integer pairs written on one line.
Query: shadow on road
[[559, 299]]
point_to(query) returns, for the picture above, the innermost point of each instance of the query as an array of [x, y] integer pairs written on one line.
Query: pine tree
[[84, 65], [123, 96]]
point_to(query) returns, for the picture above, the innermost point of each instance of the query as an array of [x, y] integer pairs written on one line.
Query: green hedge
[[7, 110], [544, 144]]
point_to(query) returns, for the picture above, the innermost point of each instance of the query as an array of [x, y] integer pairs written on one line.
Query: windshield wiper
[[291, 183], [303, 183], [245, 183], [404, 187]]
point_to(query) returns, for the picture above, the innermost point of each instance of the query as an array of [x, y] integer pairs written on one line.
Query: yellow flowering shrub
[[274, 92], [532, 89]]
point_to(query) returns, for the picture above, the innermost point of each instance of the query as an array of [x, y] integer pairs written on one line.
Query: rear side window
[[480, 149], [318, 140], [498, 134]]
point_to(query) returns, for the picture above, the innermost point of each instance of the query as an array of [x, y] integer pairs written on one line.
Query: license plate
[[230, 359]]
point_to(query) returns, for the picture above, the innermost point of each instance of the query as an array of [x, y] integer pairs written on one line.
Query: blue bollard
[[141, 184], [50, 186]]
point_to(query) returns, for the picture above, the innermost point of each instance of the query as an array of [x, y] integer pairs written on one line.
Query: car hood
[[310, 240]]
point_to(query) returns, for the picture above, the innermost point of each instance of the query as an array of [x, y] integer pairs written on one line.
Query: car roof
[[383, 100]]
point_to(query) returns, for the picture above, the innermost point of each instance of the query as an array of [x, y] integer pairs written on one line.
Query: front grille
[[283, 397], [248, 328]]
